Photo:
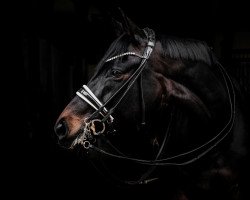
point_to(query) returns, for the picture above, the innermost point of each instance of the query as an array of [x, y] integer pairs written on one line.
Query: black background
[[54, 47]]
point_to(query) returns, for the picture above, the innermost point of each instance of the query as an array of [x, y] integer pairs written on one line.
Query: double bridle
[[88, 96], [87, 139]]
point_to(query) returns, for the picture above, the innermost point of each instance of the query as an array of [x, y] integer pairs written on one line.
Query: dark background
[[54, 48]]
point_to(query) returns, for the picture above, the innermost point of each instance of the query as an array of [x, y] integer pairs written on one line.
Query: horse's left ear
[[131, 28]]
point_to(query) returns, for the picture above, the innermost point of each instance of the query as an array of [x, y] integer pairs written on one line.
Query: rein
[[177, 160]]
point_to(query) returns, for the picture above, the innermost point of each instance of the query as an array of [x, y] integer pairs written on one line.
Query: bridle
[[88, 96], [178, 160]]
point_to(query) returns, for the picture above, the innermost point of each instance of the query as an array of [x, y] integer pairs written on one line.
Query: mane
[[188, 49], [176, 48]]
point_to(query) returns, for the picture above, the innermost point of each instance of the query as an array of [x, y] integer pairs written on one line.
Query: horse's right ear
[[118, 28]]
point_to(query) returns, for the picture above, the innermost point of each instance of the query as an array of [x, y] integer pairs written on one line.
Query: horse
[[160, 110]]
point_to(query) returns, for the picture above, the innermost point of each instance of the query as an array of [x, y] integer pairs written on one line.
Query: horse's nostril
[[61, 129]]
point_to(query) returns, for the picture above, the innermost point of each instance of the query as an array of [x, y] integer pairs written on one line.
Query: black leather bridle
[[177, 160], [88, 96]]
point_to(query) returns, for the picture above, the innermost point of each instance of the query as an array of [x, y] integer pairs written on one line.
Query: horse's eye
[[116, 73]]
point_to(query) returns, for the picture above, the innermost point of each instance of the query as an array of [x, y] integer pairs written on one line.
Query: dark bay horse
[[161, 110]]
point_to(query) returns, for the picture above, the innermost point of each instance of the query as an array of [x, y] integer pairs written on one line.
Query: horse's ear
[[118, 27], [122, 24], [130, 27]]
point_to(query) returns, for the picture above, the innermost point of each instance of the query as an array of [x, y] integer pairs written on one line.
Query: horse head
[[153, 101]]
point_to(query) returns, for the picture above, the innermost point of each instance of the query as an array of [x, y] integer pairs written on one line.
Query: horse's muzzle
[[61, 129]]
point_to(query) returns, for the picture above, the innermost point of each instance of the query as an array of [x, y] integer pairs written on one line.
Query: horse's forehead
[[138, 48]]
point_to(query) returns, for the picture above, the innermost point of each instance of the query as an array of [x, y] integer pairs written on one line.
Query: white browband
[[125, 54]]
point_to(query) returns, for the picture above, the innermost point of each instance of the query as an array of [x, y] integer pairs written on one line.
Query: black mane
[[188, 49], [175, 48]]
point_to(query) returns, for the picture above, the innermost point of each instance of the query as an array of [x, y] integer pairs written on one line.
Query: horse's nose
[[61, 129]]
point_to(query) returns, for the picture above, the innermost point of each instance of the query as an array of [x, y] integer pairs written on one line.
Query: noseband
[[90, 130]]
